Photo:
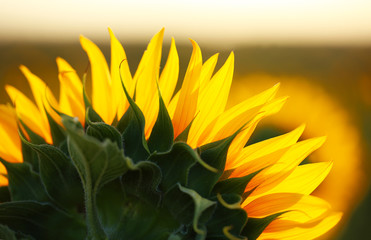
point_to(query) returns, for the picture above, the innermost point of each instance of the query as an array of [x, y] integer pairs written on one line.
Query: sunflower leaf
[[95, 161], [41, 221], [4, 194], [24, 184], [175, 164], [29, 156], [162, 135], [97, 164], [58, 175], [142, 221], [7, 233]]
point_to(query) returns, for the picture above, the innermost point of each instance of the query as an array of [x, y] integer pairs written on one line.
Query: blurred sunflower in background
[[309, 103], [225, 183]]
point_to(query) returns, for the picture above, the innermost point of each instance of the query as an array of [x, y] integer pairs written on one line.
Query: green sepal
[[131, 125], [175, 164], [57, 132], [234, 185], [162, 135], [58, 175], [228, 213], [142, 181], [4, 194], [183, 136], [102, 131], [214, 154], [41, 221], [24, 183], [255, 226], [8, 234], [189, 208], [93, 115], [34, 137]]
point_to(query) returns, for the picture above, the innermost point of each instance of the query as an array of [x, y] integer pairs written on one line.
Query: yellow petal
[[240, 141], [264, 148], [187, 105], [304, 179], [302, 208], [212, 99], [42, 94], [169, 76], [172, 105], [207, 71], [234, 118], [272, 176], [29, 113], [3, 180], [102, 100], [289, 230], [146, 79], [71, 97], [118, 58], [10, 147]]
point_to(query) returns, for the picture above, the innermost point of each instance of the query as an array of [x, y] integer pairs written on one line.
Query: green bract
[[109, 182]]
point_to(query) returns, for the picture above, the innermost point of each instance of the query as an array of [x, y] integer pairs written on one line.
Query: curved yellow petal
[[301, 208], [207, 70], [3, 180], [212, 99], [101, 81], [188, 97], [118, 58], [304, 179], [272, 176], [42, 95], [263, 148], [169, 76], [10, 149], [29, 113], [240, 141], [234, 118], [172, 105], [71, 97], [146, 79], [290, 230]]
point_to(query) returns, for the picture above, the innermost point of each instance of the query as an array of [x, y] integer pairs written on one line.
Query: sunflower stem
[[95, 231]]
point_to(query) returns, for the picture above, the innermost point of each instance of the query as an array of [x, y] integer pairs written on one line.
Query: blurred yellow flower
[[280, 186], [323, 115]]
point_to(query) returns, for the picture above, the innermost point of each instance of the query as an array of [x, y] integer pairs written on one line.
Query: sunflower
[[139, 161]]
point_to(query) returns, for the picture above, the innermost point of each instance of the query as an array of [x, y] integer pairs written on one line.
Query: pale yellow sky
[[221, 22]]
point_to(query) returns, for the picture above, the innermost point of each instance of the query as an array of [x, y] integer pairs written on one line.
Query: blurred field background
[[320, 53]]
